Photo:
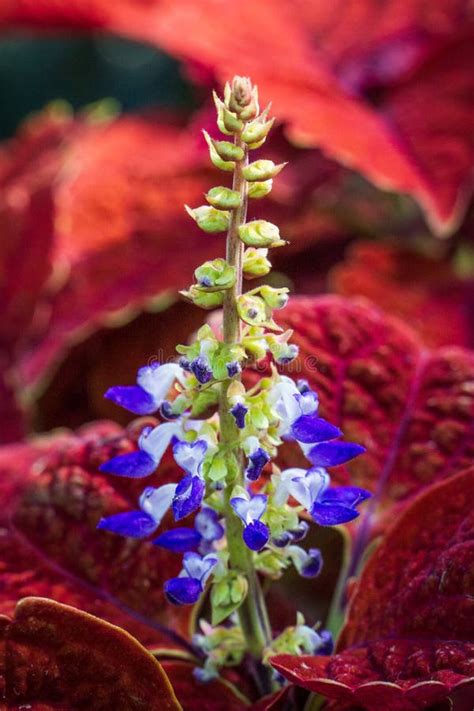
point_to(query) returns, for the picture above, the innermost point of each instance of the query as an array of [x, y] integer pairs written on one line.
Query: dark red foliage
[[50, 546], [408, 640], [413, 408], [421, 290], [54, 656]]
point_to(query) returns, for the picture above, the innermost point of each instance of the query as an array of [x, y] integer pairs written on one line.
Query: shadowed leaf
[[409, 636]]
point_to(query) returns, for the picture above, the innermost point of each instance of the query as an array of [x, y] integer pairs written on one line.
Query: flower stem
[[252, 613]]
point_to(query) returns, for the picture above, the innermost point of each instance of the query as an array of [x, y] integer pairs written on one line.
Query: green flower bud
[[252, 310], [259, 189], [255, 348], [255, 263], [257, 418], [228, 151], [215, 157], [209, 219], [242, 98], [223, 198], [260, 233], [215, 275], [275, 298], [262, 170], [271, 563], [256, 131], [227, 595], [204, 299], [227, 122]]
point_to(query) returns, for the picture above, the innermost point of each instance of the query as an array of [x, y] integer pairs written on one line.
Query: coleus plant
[[249, 515], [413, 410]]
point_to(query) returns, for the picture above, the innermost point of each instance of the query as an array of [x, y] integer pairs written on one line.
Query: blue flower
[[154, 503], [201, 369], [152, 444], [250, 509], [207, 529], [207, 523], [328, 507], [257, 458], [153, 384], [188, 586], [233, 368], [330, 454], [296, 407], [179, 540], [308, 563], [190, 490], [238, 412], [338, 505]]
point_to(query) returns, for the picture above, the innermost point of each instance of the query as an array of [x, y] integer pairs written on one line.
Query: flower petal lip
[[332, 514], [256, 535], [183, 591], [134, 465], [179, 540], [188, 497], [134, 524], [330, 454], [309, 429], [133, 398]]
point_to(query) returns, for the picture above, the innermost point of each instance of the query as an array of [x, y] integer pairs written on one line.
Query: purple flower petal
[[238, 412], [313, 564], [201, 370], [183, 591], [207, 524], [188, 496], [179, 540], [132, 398], [199, 567], [332, 514], [233, 368], [309, 429], [135, 465], [329, 454], [347, 495], [327, 646], [135, 524], [256, 535], [257, 461], [298, 533]]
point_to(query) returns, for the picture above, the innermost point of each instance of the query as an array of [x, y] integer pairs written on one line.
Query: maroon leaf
[[409, 636], [55, 654], [50, 545], [411, 407], [422, 291], [193, 695]]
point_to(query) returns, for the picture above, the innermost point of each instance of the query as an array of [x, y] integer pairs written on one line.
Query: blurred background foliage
[[81, 70]]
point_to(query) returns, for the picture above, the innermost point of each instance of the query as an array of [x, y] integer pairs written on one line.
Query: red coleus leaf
[[408, 640], [54, 497], [53, 654], [411, 407], [356, 84], [424, 292]]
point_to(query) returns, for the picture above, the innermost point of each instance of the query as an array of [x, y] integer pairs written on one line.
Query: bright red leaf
[[355, 83], [420, 290], [409, 636], [50, 546], [53, 654]]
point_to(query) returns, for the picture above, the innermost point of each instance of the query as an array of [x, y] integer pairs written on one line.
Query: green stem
[[252, 613]]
